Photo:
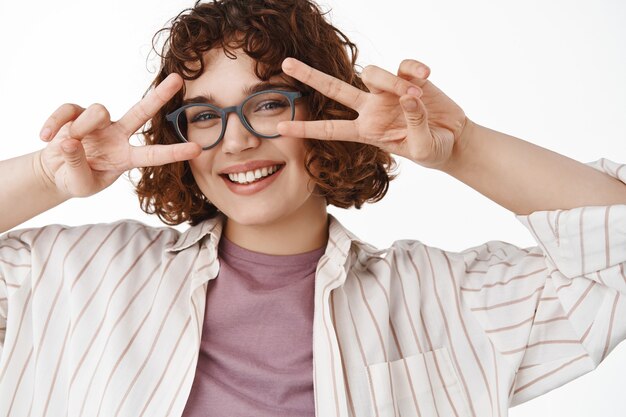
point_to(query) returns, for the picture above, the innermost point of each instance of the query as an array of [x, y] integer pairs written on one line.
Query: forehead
[[224, 78]]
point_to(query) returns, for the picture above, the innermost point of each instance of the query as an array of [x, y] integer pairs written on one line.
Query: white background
[[552, 73]]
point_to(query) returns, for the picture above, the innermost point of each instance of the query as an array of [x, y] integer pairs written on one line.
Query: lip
[[255, 187], [249, 166]]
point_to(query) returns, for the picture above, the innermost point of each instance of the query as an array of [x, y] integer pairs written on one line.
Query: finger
[[320, 129], [415, 112], [65, 113], [419, 148], [378, 80], [78, 179], [155, 155], [328, 85], [93, 118], [143, 111], [414, 71]]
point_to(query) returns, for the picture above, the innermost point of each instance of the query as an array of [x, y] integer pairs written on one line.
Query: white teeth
[[252, 176]]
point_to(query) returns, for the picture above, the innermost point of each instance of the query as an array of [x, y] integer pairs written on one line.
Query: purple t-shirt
[[256, 354]]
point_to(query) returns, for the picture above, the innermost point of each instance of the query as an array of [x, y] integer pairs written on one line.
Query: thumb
[[416, 117], [415, 113], [420, 143], [73, 153], [78, 180]]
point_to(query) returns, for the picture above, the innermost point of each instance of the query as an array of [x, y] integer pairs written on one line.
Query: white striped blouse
[[105, 320]]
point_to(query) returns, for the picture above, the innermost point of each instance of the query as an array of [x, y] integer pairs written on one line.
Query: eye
[[204, 116], [269, 105]]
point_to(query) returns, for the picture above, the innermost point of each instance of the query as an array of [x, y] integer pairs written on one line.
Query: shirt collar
[[340, 239], [191, 236]]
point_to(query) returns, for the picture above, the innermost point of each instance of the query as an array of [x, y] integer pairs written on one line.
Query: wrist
[[45, 178], [462, 146]]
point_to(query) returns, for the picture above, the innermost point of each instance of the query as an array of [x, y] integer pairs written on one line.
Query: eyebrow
[[254, 88]]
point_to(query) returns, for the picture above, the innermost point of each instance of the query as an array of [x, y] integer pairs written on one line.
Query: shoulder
[[123, 232], [413, 256], [401, 251]]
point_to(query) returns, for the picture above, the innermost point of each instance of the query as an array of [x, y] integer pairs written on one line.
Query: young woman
[[267, 305]]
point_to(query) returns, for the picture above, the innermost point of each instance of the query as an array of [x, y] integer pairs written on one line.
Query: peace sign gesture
[[89, 152], [404, 114]]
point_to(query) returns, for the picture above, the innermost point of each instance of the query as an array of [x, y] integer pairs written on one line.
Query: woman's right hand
[[88, 151]]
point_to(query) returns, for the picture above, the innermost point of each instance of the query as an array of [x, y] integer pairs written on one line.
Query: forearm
[[25, 191], [524, 177]]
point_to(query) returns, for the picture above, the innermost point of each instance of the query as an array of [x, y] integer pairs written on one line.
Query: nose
[[236, 137]]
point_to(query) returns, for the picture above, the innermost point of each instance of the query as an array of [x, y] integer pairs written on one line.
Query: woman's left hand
[[406, 114]]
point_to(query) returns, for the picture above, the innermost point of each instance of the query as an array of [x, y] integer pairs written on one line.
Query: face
[[284, 190]]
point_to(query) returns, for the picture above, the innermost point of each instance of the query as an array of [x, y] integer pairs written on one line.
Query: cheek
[[310, 179], [195, 165], [195, 171], [200, 169], [296, 150], [302, 152], [305, 180]]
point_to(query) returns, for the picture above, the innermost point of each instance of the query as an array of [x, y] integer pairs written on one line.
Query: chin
[[254, 217]]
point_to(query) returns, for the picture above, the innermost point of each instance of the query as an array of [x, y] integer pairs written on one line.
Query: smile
[[252, 176], [252, 181]]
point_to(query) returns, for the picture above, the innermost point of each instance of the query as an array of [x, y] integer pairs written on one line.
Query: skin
[[402, 113], [263, 221], [86, 152], [409, 116]]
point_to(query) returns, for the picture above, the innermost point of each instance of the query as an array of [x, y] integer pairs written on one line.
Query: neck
[[303, 231]]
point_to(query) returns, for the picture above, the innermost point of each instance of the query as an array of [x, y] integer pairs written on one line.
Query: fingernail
[[414, 91], [45, 133], [280, 128], [287, 64]]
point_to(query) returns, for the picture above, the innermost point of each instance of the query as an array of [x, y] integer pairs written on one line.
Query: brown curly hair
[[347, 174]]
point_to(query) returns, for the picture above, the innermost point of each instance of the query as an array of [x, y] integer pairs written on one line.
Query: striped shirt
[[106, 320]]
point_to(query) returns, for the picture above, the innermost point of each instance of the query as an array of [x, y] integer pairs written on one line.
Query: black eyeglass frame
[[224, 112]]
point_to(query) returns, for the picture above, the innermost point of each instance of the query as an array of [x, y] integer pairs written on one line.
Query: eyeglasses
[[260, 113]]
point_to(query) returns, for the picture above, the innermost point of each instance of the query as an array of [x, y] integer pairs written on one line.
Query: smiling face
[[228, 174]]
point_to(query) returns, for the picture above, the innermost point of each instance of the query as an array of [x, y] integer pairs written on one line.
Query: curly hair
[[347, 174]]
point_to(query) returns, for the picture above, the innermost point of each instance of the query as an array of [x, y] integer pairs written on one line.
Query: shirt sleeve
[[15, 262], [27, 256], [3, 312], [555, 311]]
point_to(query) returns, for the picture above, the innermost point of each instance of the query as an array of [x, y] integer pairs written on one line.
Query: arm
[[86, 154], [409, 116], [551, 312], [28, 192], [4, 304], [524, 177]]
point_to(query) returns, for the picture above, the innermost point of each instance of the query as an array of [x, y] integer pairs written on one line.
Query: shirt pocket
[[424, 385]]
